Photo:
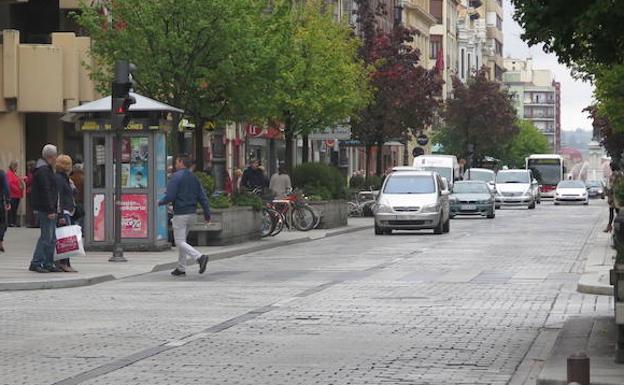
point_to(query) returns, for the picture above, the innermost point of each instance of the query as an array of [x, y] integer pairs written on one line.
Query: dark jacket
[[4, 199], [44, 192], [185, 191], [253, 179], [65, 192]]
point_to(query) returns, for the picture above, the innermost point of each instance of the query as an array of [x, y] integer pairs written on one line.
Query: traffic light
[[121, 99]]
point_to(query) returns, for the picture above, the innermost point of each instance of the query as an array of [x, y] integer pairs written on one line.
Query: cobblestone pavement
[[464, 308]]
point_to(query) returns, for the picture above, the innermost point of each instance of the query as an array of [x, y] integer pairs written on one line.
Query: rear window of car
[[410, 184], [512, 177]]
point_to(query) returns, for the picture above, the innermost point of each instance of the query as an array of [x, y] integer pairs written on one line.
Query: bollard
[[578, 369]]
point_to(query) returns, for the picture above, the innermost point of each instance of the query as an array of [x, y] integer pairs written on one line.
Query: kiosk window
[[99, 163], [134, 166]]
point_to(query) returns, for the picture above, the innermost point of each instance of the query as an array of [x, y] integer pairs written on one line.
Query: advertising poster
[[137, 167], [134, 223], [99, 223], [161, 185]]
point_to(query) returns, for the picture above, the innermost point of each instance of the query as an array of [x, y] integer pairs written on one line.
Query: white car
[[571, 191], [412, 200], [516, 188]]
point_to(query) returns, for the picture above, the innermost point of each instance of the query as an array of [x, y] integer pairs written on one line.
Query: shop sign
[[422, 140], [340, 132], [330, 142], [253, 130]]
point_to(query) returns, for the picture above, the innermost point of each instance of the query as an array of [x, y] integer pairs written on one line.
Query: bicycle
[[362, 204], [296, 212]]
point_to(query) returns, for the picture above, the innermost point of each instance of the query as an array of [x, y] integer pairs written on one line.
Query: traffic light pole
[[121, 78]]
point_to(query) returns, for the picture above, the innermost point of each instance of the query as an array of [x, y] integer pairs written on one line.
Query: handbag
[[69, 242]]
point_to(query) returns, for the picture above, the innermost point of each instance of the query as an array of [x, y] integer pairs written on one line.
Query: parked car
[[483, 174], [596, 189], [412, 200], [472, 198], [571, 191], [516, 188]]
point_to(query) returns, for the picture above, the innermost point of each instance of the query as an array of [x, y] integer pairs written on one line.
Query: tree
[[580, 32], [529, 140], [404, 100], [316, 78], [479, 121], [197, 55], [610, 138], [608, 92]]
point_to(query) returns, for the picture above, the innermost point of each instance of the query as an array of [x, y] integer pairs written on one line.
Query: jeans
[[181, 225], [44, 251], [13, 213]]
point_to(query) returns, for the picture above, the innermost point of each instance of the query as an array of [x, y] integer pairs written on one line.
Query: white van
[[445, 165]]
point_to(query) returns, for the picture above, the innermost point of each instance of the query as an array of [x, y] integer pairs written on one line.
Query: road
[[471, 307]]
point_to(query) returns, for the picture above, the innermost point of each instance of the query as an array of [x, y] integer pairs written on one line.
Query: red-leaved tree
[[405, 99]]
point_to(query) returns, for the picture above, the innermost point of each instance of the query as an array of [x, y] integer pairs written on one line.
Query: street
[[409, 308]]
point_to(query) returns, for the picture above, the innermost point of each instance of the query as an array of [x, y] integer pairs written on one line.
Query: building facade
[[41, 76], [471, 39], [493, 54], [537, 97], [443, 41]]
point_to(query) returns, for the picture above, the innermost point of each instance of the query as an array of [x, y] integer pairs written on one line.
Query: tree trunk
[[288, 137], [368, 151], [379, 157], [305, 150], [199, 145]]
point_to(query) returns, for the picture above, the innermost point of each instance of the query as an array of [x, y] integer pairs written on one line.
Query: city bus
[[548, 169]]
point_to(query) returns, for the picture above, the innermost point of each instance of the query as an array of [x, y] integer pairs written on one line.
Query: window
[[499, 23], [469, 63], [463, 71], [498, 46], [435, 45], [435, 8], [477, 62]]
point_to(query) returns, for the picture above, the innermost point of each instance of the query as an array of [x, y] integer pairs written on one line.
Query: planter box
[[333, 213], [227, 227]]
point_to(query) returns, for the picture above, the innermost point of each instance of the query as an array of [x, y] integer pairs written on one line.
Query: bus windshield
[[546, 171]]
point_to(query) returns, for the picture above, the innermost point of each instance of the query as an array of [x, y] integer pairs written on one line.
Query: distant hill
[[577, 139]]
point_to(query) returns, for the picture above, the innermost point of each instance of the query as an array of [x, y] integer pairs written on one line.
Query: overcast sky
[[575, 94]]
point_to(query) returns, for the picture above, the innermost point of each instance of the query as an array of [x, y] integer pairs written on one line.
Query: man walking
[[44, 202], [185, 191]]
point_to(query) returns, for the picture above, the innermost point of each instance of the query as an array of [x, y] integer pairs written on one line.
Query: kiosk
[[144, 175]]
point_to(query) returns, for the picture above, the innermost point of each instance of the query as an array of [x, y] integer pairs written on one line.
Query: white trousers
[[181, 225]]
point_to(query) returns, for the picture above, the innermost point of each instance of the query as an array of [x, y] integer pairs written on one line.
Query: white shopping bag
[[68, 242]]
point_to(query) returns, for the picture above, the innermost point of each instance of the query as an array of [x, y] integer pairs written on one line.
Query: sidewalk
[[95, 268], [600, 259]]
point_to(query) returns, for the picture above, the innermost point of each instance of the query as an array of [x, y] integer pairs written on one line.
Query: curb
[[79, 282], [590, 284], [248, 250], [60, 284]]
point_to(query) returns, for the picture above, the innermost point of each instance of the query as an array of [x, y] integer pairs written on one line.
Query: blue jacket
[[185, 191]]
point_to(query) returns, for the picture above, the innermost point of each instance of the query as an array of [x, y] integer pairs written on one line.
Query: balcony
[[44, 77]]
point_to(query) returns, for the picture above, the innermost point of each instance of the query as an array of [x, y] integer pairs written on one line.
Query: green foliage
[[357, 182], [221, 202], [528, 141], [608, 92], [584, 33], [319, 179], [315, 79], [245, 199], [618, 192], [207, 182]]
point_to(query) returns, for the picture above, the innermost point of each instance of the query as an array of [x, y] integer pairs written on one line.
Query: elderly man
[[44, 202]]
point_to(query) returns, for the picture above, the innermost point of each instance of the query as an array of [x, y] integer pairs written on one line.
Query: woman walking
[[16, 188], [67, 203]]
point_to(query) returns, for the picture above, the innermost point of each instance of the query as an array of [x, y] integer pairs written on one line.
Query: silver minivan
[[412, 200]]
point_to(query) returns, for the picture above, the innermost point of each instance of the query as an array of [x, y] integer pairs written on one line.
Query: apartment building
[[41, 76], [443, 41], [537, 97]]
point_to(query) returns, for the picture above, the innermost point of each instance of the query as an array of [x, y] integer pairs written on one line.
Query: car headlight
[[383, 209], [434, 208]]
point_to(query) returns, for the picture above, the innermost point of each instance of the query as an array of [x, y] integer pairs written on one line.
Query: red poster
[[134, 216]]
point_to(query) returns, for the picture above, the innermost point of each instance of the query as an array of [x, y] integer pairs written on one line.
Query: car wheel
[[532, 205], [586, 203], [452, 216], [498, 207], [556, 203], [439, 229], [491, 215], [378, 230], [387, 231], [447, 226]]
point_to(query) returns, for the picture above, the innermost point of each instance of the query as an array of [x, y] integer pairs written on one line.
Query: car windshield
[[594, 183], [512, 177], [410, 184], [443, 171], [571, 184], [470, 188], [482, 175]]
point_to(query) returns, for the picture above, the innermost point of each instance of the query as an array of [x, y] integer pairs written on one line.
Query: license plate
[[468, 207]]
